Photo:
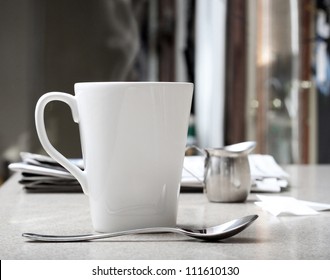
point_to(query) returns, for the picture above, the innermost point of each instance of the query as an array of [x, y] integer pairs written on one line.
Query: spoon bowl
[[215, 233]]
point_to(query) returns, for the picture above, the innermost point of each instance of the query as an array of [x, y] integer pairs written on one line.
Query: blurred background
[[260, 68]]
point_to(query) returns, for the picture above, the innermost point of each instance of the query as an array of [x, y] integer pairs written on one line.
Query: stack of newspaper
[[42, 173]]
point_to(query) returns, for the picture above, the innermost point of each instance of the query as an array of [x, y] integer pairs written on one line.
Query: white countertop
[[269, 237]]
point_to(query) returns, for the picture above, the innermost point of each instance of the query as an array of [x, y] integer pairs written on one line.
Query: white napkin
[[284, 205]]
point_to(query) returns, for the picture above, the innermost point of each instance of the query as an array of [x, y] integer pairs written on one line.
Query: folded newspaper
[[266, 174], [42, 173]]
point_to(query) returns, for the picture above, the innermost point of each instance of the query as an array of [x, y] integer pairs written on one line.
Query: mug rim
[[132, 83]]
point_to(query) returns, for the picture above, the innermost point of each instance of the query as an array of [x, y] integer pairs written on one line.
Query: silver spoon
[[210, 234]]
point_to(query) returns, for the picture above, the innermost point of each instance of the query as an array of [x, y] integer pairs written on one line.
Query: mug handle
[[42, 134]]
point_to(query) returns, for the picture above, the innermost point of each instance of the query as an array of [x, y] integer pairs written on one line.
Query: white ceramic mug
[[133, 137]]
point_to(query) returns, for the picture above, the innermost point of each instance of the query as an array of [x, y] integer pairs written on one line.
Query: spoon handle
[[94, 236]]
